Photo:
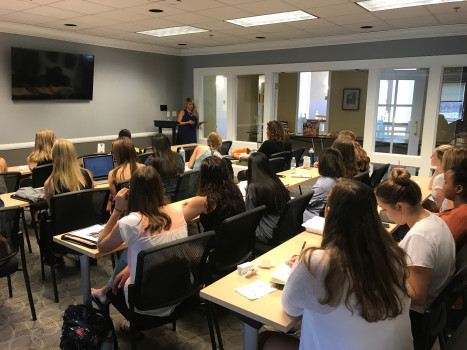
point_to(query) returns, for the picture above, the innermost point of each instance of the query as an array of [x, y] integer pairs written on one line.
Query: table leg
[[250, 337], [85, 279]]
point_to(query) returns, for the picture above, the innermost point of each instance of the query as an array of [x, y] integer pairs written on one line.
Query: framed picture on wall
[[351, 99]]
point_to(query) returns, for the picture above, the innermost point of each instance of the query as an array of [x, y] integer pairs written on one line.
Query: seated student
[[3, 166], [264, 188], [361, 157], [148, 222], [455, 189], [127, 133], [218, 197], [429, 244], [330, 168], [67, 175], [436, 201], [334, 287], [126, 160], [168, 164], [214, 142], [42, 151], [347, 150], [278, 141]]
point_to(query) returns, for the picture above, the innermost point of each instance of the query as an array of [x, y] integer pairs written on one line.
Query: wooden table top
[[23, 169], [290, 181]]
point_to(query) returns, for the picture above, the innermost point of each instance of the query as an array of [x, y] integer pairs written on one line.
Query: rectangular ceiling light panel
[[380, 5], [173, 31], [274, 18]]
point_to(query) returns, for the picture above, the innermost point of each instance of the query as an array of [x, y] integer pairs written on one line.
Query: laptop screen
[[99, 166]]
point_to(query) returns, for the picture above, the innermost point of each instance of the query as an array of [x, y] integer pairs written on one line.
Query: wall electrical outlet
[[168, 114], [174, 113]]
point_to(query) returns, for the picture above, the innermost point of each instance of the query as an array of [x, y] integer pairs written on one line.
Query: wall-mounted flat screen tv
[[49, 75]]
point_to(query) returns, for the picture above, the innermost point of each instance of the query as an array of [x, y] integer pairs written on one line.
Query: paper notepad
[[282, 274], [256, 290], [314, 225], [91, 233], [301, 175]]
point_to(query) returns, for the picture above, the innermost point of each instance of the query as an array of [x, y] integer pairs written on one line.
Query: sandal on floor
[[124, 327]]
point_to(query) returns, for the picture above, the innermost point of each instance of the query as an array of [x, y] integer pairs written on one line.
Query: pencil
[[303, 246]]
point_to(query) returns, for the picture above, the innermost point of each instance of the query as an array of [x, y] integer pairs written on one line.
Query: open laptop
[[99, 166]]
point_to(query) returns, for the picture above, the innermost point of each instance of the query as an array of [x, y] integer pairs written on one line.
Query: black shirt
[[272, 146]]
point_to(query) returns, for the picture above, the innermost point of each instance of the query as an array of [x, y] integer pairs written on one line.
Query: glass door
[[250, 107], [215, 105]]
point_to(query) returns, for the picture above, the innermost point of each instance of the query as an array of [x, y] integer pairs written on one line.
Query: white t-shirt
[[438, 183], [325, 327], [132, 234], [429, 243]]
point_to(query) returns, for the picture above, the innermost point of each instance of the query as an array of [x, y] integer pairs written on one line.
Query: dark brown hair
[[215, 183], [331, 163], [459, 177], [147, 197], [398, 187], [276, 131], [347, 149], [361, 254], [164, 160], [124, 154]]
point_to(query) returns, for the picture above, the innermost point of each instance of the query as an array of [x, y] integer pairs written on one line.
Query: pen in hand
[[303, 246]]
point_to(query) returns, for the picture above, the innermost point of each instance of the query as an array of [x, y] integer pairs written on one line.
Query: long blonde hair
[[43, 144], [214, 141], [66, 170]]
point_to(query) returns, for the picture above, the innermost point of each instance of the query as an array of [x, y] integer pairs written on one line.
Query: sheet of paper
[[242, 186], [301, 175], [281, 275], [256, 290], [91, 233], [314, 225]]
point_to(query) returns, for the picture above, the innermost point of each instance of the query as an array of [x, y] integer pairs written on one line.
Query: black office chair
[[287, 155], [188, 152], [68, 212], [434, 322], [234, 243], [143, 157], [224, 149], [363, 177], [298, 153], [9, 182], [179, 265], [187, 185], [41, 173], [378, 174], [288, 225], [121, 184], [276, 164], [458, 338], [11, 243]]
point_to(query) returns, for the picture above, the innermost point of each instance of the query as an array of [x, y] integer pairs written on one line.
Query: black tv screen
[[49, 75]]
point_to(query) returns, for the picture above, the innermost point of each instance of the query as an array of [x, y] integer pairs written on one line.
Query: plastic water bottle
[[182, 153], [293, 166], [311, 154]]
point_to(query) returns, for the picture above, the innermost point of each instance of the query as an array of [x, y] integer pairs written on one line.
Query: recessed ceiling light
[[156, 10], [271, 19], [173, 31], [181, 44], [70, 25], [380, 5], [366, 27], [260, 37]]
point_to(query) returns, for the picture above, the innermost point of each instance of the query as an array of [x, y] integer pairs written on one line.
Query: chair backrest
[[143, 156], [287, 155], [291, 219], [10, 181], [276, 164], [187, 185], [378, 174], [9, 228], [121, 184], [188, 152], [169, 273], [75, 210], [41, 173], [298, 153], [235, 241], [224, 149], [363, 177]]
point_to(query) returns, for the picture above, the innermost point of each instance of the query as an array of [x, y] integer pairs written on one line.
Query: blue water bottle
[[311, 154], [182, 153]]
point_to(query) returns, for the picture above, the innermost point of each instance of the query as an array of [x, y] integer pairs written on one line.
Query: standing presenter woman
[[188, 123]]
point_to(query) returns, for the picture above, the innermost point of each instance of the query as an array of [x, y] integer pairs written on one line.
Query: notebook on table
[[99, 166]]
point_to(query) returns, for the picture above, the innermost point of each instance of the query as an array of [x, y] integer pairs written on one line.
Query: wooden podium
[[167, 124]]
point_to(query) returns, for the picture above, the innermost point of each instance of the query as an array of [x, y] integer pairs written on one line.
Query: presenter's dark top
[[272, 146], [187, 133]]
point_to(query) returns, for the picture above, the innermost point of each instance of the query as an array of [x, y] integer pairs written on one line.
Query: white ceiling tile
[[315, 3], [413, 22], [226, 12], [26, 18], [219, 25], [293, 34], [81, 6], [53, 12], [253, 31], [101, 31], [130, 27], [377, 27], [267, 7], [329, 31], [16, 5], [417, 11], [120, 4], [363, 19], [188, 18], [158, 23], [234, 2], [60, 24], [95, 20], [196, 5], [168, 10], [125, 16], [4, 11], [314, 23], [40, 2], [447, 8], [336, 10], [460, 17]]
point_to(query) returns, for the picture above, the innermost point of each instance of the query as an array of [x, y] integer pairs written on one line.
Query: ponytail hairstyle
[[214, 142]]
